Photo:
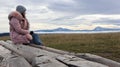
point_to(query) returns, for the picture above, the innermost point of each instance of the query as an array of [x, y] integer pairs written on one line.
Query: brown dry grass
[[106, 45]]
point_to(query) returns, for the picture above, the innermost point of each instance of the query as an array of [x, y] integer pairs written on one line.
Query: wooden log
[[51, 49], [78, 62], [28, 56], [36, 51], [46, 61], [36, 60], [15, 61], [48, 49], [99, 59], [55, 51], [1, 58], [4, 52]]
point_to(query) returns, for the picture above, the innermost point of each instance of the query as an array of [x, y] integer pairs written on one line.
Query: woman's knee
[[29, 36]]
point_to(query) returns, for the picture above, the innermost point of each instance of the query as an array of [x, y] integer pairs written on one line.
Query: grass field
[[106, 44]]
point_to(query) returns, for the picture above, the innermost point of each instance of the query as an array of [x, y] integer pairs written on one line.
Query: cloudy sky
[[71, 14]]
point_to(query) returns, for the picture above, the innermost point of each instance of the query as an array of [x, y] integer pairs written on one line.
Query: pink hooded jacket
[[19, 27]]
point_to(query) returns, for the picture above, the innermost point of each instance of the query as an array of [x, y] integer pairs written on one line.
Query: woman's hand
[[29, 37]]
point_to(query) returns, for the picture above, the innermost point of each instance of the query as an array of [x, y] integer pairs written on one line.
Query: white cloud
[[72, 14], [37, 26], [89, 19], [97, 17]]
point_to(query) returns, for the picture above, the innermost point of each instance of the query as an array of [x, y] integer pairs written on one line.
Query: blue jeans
[[36, 40]]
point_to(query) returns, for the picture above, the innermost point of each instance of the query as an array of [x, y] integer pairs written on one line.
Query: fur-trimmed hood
[[16, 15]]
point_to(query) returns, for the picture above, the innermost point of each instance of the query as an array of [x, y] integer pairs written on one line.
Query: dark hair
[[31, 32], [23, 14]]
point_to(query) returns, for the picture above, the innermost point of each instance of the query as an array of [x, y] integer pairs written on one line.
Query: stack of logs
[[20, 55]]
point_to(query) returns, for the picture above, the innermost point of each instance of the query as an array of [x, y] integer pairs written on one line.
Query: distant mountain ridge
[[53, 30], [60, 29], [105, 29], [4, 34], [65, 29]]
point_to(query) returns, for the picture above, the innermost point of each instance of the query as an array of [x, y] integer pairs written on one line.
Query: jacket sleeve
[[16, 25]]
